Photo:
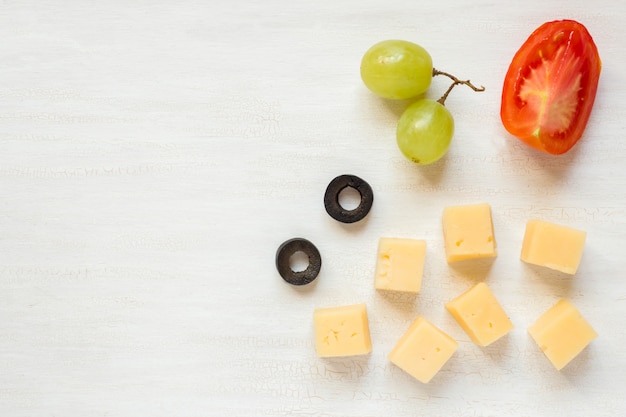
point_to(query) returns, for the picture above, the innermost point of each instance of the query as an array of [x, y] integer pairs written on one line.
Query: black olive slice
[[331, 198], [283, 260]]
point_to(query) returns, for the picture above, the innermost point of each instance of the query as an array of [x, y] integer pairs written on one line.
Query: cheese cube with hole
[[553, 246], [562, 333], [400, 264], [423, 350], [468, 232], [480, 314], [342, 331]]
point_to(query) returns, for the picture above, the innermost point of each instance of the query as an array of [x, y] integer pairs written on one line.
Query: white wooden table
[[155, 154]]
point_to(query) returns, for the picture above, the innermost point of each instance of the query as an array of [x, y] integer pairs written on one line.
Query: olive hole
[[299, 261], [349, 198]]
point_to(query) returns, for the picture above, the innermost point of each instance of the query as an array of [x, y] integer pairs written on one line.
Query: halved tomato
[[550, 86]]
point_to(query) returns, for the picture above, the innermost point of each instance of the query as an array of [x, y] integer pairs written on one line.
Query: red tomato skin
[[559, 56]]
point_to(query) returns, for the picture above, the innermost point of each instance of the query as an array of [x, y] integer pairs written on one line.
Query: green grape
[[425, 131], [397, 69]]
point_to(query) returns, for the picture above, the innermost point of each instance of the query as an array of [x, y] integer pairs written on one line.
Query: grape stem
[[455, 82]]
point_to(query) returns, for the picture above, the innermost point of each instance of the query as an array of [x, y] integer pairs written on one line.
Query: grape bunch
[[399, 70]]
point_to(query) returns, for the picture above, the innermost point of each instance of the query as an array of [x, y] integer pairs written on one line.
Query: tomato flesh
[[550, 87]]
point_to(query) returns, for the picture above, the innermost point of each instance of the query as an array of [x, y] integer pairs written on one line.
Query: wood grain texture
[[155, 154]]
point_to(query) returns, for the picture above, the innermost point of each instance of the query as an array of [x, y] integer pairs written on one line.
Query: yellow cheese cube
[[480, 314], [553, 246], [468, 232], [423, 350], [400, 264], [342, 331], [562, 333]]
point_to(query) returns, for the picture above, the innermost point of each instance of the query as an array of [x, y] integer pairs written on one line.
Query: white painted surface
[[155, 154]]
